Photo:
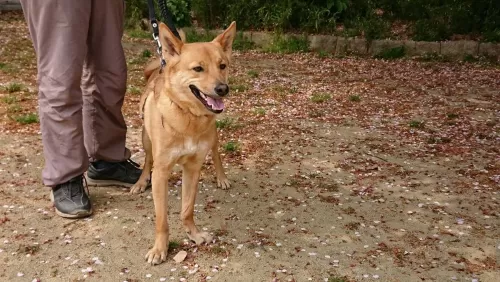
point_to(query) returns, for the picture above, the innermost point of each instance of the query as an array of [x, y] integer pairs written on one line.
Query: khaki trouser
[[82, 77]]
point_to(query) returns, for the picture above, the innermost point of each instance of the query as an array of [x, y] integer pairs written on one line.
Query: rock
[[180, 256]]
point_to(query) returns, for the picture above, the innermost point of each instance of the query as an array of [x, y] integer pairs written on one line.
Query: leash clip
[[156, 37]]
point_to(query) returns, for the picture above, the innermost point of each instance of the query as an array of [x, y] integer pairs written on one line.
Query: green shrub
[[136, 10], [242, 43], [375, 28], [492, 35], [288, 44], [392, 53], [430, 20], [430, 30]]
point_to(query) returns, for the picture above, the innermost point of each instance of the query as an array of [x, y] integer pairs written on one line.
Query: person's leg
[[104, 85], [59, 30]]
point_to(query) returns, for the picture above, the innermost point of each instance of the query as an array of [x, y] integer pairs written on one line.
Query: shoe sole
[[79, 214], [97, 182]]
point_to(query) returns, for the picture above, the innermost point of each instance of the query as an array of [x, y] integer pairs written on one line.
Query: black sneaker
[[103, 173], [70, 199]]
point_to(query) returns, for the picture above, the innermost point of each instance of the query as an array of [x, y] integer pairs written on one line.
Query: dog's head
[[197, 73]]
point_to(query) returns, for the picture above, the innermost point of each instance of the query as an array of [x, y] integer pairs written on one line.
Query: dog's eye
[[198, 69], [222, 66]]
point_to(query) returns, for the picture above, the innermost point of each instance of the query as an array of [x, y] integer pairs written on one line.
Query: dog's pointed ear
[[171, 45], [226, 39]]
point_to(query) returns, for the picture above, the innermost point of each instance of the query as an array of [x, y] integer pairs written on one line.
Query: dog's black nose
[[222, 89]]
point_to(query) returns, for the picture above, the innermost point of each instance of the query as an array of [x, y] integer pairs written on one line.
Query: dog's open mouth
[[215, 105]]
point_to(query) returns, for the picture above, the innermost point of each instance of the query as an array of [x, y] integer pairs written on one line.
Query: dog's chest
[[189, 147]]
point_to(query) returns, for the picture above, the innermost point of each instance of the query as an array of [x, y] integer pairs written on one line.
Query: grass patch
[[28, 249], [9, 99], [320, 97], [349, 210], [231, 146], [242, 42], [193, 36], [253, 73], [221, 232], [354, 98], [14, 87], [315, 114], [323, 54], [134, 90], [279, 88], [216, 250], [416, 124], [288, 44], [226, 122], [172, 245], [329, 186], [139, 33], [27, 119], [139, 60], [392, 53], [470, 58], [14, 108], [146, 54], [488, 60], [260, 111], [434, 57], [6, 67], [337, 279], [352, 225], [239, 88]]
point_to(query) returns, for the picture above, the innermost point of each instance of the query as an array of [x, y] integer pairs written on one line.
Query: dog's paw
[[156, 255], [223, 183], [139, 187], [200, 238]]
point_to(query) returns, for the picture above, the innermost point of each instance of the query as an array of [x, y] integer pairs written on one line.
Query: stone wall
[[9, 5], [342, 45], [357, 46]]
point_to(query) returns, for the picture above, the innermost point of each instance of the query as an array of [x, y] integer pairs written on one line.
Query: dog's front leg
[[190, 177], [158, 253]]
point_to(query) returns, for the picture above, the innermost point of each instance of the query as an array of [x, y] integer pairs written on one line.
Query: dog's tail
[[155, 65]]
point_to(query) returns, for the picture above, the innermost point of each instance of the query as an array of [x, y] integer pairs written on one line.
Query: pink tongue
[[216, 104]]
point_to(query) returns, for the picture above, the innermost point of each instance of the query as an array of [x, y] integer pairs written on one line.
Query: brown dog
[[179, 107]]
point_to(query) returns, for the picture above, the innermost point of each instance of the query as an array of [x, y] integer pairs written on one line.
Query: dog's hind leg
[[143, 182], [222, 180], [190, 177]]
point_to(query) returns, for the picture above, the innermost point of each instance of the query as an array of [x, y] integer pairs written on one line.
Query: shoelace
[[86, 186], [131, 166], [83, 182], [130, 161]]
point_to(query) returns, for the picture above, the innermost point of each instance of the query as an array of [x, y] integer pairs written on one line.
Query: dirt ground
[[343, 169]]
